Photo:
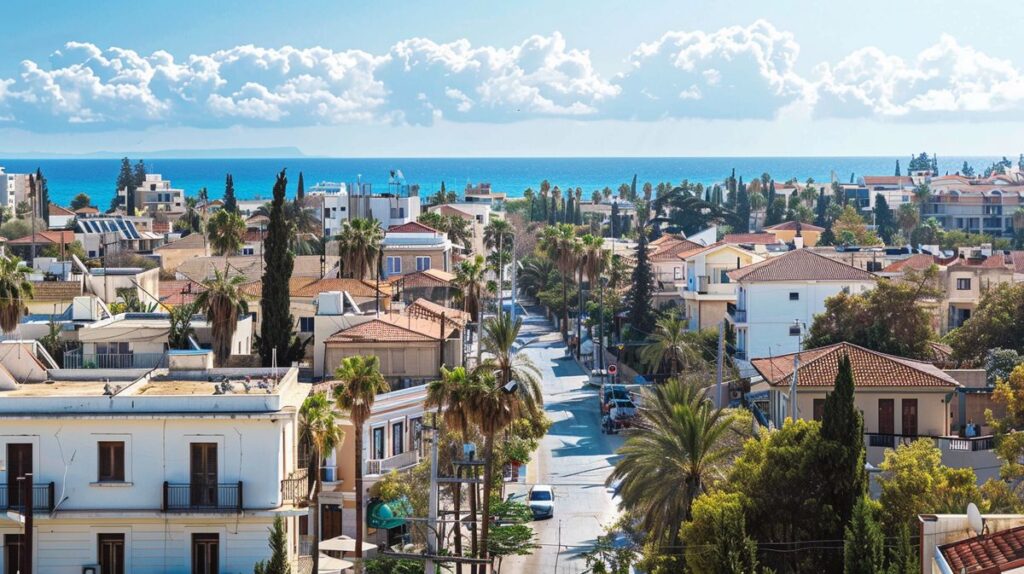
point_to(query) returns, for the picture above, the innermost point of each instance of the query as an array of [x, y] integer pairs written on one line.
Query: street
[[575, 458]]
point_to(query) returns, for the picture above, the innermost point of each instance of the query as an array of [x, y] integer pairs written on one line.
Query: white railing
[[397, 462]]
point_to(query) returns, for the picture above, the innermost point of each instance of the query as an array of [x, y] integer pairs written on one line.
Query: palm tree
[[226, 231], [682, 441], [359, 383], [529, 195], [536, 276], [181, 326], [223, 303], [560, 243], [670, 342], [469, 278], [15, 291], [452, 395], [318, 429], [498, 232], [459, 231], [359, 243], [596, 258], [494, 405]]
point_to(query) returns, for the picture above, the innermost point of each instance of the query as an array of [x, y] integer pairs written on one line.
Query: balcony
[[295, 488], [945, 443], [42, 498], [735, 314], [222, 497], [78, 360], [397, 462]]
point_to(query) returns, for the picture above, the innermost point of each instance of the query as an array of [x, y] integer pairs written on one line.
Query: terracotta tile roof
[[793, 226], [1002, 551], [412, 227], [669, 247], [251, 266], [161, 227], [751, 238], [818, 368], [918, 261], [426, 278], [995, 261], [902, 180], [190, 241], [698, 250], [452, 210], [1017, 258], [49, 237], [56, 290], [354, 287], [58, 210], [430, 310], [391, 328], [177, 292], [254, 289], [87, 210], [253, 236], [800, 265]]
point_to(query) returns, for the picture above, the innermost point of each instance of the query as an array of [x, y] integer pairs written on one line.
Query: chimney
[[798, 242]]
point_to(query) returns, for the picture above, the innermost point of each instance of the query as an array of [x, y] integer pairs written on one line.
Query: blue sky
[[569, 78]]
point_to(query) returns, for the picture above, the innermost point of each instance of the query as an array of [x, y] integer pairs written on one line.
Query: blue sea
[[254, 178]]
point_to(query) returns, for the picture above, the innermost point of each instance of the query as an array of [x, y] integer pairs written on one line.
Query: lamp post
[[800, 325]]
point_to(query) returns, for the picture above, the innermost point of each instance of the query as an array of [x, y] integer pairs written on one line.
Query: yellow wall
[[810, 237], [932, 412]]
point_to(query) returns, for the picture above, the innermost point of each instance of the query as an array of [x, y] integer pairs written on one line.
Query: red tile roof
[[354, 287], [87, 210], [793, 226], [161, 227], [178, 292], [50, 237], [412, 227], [392, 328], [58, 210], [430, 310], [668, 247], [1017, 258], [818, 368], [255, 288], [995, 261], [425, 278], [998, 552], [800, 265], [190, 241], [751, 238], [919, 261]]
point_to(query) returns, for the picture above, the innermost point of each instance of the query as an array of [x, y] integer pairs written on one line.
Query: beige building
[[788, 231], [173, 254], [414, 247], [707, 289], [668, 268]]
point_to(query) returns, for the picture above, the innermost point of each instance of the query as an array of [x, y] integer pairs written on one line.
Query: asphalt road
[[575, 458]]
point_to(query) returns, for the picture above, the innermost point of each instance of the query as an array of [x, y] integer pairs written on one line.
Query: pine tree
[[864, 544], [884, 221], [903, 557], [230, 203], [743, 208], [126, 182], [278, 563], [898, 174], [139, 173], [300, 192], [276, 329], [641, 292]]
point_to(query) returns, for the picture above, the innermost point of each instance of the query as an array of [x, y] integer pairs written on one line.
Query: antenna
[[974, 519]]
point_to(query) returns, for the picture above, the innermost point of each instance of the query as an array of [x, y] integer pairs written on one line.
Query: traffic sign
[[612, 369]]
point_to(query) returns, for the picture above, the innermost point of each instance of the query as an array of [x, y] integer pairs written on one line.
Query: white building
[[14, 187], [179, 470], [708, 290], [776, 300], [156, 195]]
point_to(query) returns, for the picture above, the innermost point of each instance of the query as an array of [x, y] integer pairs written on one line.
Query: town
[[749, 376]]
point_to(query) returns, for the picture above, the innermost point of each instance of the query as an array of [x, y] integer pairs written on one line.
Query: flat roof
[[59, 389]]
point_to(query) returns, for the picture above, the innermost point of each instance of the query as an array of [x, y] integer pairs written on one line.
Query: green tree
[[360, 382], [606, 557], [470, 278], [181, 326], [300, 190], [640, 297], [682, 440], [278, 563], [230, 203], [998, 322], [967, 170], [716, 536], [671, 343], [15, 291], [319, 430], [359, 244], [126, 183], [223, 304], [863, 544], [884, 220], [226, 233], [276, 328], [81, 200], [559, 241], [898, 174], [742, 209], [842, 427]]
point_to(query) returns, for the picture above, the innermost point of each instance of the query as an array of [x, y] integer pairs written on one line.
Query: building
[[949, 544], [708, 290], [59, 217], [398, 206], [788, 231], [14, 188], [477, 214], [978, 205], [483, 193], [415, 247], [663, 253], [105, 235], [171, 470], [56, 241], [155, 195], [200, 269], [776, 300], [896, 189], [176, 252]]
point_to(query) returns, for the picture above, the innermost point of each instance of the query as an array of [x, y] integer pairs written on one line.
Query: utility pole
[[794, 411], [721, 359], [514, 265], [501, 275], [432, 537]]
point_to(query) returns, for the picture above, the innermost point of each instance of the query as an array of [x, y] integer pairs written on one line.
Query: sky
[[568, 78]]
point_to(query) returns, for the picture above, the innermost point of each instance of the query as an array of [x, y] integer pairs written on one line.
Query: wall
[[932, 412], [412, 360], [170, 259], [439, 258]]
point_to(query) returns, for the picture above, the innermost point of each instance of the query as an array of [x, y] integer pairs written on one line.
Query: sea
[[254, 178]]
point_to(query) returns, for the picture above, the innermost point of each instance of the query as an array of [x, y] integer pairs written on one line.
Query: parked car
[[542, 501]]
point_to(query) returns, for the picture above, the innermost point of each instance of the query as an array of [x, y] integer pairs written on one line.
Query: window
[[205, 554], [393, 265], [247, 251], [963, 284], [422, 263], [120, 348], [305, 324], [111, 461], [677, 273], [111, 553], [794, 295], [397, 439], [819, 409], [378, 443]]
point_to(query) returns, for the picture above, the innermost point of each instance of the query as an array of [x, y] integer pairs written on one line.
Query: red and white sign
[[612, 369]]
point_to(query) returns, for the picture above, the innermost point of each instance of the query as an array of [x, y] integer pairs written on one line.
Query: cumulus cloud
[[737, 72]]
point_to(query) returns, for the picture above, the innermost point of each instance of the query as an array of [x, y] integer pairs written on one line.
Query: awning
[[388, 514]]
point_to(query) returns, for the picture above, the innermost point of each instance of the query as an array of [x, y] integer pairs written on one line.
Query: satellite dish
[[974, 519]]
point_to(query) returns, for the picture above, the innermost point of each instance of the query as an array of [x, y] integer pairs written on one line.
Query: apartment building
[[776, 300], [14, 188], [708, 289], [896, 190], [105, 235], [181, 469], [155, 195], [979, 205]]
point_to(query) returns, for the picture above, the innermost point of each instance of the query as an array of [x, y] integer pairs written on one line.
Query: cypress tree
[[276, 329], [821, 217], [125, 181], [43, 197], [641, 292], [230, 203], [552, 213], [863, 544], [300, 193], [898, 174], [278, 563], [884, 221], [743, 208], [614, 220]]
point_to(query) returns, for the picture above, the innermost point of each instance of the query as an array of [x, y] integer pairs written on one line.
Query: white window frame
[[393, 265], [420, 259]]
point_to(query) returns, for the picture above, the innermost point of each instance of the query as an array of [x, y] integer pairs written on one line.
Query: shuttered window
[[111, 461]]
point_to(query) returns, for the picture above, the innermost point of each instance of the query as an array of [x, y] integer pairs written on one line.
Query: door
[[111, 553], [910, 417], [19, 463], [397, 439], [330, 521], [13, 552], [886, 416], [205, 554], [203, 474]]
